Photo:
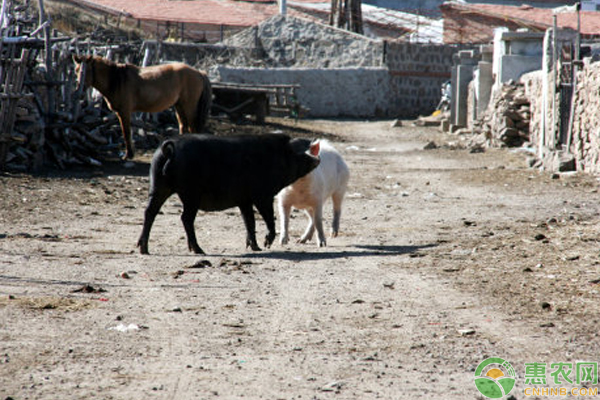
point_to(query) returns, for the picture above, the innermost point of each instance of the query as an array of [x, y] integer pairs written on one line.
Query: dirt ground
[[445, 258]]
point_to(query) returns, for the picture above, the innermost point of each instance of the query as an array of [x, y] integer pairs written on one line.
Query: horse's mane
[[111, 63]]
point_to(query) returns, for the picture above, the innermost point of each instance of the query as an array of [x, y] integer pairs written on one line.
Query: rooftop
[[541, 17]]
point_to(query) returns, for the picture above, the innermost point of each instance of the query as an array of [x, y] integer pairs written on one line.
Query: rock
[[477, 148], [88, 289], [430, 146], [566, 162], [445, 125]]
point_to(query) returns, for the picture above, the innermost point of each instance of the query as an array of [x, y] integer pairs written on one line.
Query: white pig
[[310, 192]]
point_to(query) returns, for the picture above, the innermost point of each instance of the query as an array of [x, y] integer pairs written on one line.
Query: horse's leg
[[125, 120], [183, 119]]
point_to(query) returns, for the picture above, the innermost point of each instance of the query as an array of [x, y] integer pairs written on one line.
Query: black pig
[[215, 173]]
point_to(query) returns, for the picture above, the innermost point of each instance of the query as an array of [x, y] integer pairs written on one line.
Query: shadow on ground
[[359, 251]]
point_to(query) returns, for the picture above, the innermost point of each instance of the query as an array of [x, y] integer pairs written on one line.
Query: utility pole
[[346, 14]]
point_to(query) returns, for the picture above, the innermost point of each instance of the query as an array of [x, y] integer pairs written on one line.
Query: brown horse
[[128, 88]]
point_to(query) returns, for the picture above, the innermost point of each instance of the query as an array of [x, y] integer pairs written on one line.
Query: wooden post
[[49, 64], [554, 81]]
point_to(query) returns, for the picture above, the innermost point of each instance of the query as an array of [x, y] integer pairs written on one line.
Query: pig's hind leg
[[187, 218], [337, 212], [155, 202], [315, 217]]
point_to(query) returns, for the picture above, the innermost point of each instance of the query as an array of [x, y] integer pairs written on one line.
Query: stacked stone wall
[[586, 123], [417, 73], [299, 43], [585, 144]]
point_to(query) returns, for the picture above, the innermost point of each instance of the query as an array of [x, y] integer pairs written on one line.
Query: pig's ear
[[314, 149]]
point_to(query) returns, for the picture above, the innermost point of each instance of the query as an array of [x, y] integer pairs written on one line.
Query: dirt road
[[445, 258]]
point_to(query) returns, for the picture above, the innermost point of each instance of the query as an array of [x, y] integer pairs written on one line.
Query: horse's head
[[84, 71]]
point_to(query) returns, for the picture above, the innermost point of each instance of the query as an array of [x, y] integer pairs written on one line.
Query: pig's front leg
[[265, 208], [310, 229], [318, 221], [284, 213], [250, 223]]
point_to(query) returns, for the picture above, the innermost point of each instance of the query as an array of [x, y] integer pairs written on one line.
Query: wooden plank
[[253, 85]]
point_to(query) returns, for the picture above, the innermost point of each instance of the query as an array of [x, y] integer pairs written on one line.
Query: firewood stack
[[91, 139]]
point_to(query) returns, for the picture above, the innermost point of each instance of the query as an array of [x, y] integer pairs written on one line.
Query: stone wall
[[329, 63], [585, 144], [586, 124], [338, 92], [417, 74], [299, 43]]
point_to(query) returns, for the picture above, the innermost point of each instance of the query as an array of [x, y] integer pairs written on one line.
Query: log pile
[[506, 121], [91, 139]]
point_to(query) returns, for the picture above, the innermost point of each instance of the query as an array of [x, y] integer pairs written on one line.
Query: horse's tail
[[204, 104]]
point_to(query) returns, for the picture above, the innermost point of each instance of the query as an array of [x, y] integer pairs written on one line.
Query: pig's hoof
[[197, 250], [254, 247], [143, 247], [268, 242], [269, 239]]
